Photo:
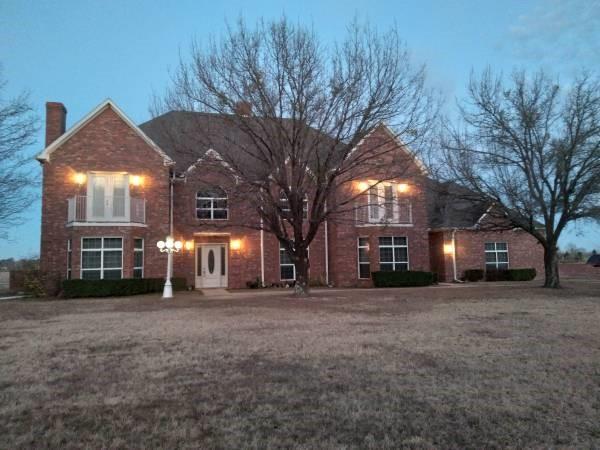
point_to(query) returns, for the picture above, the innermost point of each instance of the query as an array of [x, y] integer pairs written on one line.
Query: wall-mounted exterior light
[[189, 245], [403, 187], [449, 249], [235, 244], [80, 178], [136, 180]]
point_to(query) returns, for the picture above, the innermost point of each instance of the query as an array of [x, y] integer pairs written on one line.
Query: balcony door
[[108, 197]]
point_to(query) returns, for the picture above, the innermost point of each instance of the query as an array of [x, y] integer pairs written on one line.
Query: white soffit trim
[[44, 156]]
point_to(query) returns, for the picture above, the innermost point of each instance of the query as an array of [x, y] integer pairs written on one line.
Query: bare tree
[[300, 109], [533, 149], [17, 131]]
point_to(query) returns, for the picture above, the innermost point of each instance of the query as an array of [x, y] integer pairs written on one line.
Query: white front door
[[211, 266], [108, 197]]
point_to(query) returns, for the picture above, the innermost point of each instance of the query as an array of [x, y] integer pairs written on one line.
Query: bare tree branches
[[310, 107], [17, 131], [533, 149]]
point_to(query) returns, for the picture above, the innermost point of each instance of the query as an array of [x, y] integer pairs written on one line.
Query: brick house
[[112, 189]]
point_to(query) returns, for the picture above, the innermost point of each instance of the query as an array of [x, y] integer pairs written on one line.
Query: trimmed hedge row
[[510, 275], [117, 288], [474, 274], [401, 279]]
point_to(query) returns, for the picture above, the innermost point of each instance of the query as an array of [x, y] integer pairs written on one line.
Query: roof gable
[[44, 156]]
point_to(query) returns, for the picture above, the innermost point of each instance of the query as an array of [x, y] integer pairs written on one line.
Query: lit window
[[496, 256], [393, 254], [386, 204], [364, 264], [101, 258], [211, 204], [138, 258]]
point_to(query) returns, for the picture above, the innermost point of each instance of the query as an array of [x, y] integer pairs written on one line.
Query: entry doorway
[[211, 266]]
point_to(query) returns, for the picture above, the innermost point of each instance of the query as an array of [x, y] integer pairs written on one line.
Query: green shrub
[[510, 275], [117, 288], [399, 279], [474, 274], [33, 283], [522, 274]]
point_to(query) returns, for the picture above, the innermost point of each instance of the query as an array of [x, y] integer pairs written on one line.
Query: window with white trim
[[101, 258], [284, 204], [393, 254], [287, 269], [69, 258], [364, 263], [496, 256], [386, 205], [138, 258], [211, 204]]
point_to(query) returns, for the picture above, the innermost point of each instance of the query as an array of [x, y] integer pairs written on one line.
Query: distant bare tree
[[300, 109], [17, 131], [533, 150]]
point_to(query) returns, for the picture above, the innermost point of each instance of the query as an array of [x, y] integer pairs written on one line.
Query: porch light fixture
[[169, 246], [235, 244], [136, 180], [79, 178], [363, 186], [448, 249], [189, 245], [403, 187]]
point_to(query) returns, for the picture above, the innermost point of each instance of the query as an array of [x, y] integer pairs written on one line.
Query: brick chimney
[[243, 108], [56, 120]]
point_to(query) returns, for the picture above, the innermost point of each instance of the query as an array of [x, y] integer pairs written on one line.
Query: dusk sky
[[81, 52]]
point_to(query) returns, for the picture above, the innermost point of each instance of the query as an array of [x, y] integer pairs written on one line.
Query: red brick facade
[[108, 143]]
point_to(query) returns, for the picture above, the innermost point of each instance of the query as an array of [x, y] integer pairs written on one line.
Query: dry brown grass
[[447, 367]]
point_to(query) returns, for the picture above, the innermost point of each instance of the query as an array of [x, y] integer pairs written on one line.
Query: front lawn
[[448, 367]]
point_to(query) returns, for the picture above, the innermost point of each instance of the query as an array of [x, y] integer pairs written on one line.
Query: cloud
[[564, 33]]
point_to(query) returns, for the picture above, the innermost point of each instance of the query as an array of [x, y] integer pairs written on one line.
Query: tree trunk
[[551, 267], [301, 287]]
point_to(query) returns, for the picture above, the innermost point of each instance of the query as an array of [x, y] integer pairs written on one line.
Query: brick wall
[[523, 251], [104, 144]]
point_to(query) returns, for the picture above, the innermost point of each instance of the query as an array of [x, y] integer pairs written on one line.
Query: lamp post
[[169, 246]]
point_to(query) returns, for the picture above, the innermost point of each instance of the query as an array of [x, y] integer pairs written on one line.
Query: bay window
[[101, 258]]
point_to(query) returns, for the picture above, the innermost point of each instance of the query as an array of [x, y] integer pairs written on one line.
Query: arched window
[[284, 204], [211, 204]]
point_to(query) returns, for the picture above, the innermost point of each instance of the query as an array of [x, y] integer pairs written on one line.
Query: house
[[113, 189]]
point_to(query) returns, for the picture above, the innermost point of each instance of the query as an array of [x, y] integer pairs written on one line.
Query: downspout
[[326, 254], [262, 254], [171, 182], [455, 278]]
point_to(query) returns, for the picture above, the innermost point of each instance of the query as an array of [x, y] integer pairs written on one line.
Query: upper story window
[[284, 204], [386, 204], [105, 197], [496, 255], [211, 204]]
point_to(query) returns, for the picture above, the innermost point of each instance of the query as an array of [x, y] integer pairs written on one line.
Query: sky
[[82, 52]]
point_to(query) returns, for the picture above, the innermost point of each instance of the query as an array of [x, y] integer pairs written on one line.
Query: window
[[496, 256], [101, 258], [393, 254], [386, 206], [138, 258], [287, 269], [69, 258], [284, 204], [364, 264], [211, 204]]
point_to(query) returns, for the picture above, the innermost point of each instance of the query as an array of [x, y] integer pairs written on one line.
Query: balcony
[[106, 210]]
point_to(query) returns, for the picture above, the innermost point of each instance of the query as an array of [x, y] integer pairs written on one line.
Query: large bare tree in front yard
[[532, 147], [300, 107], [17, 132]]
